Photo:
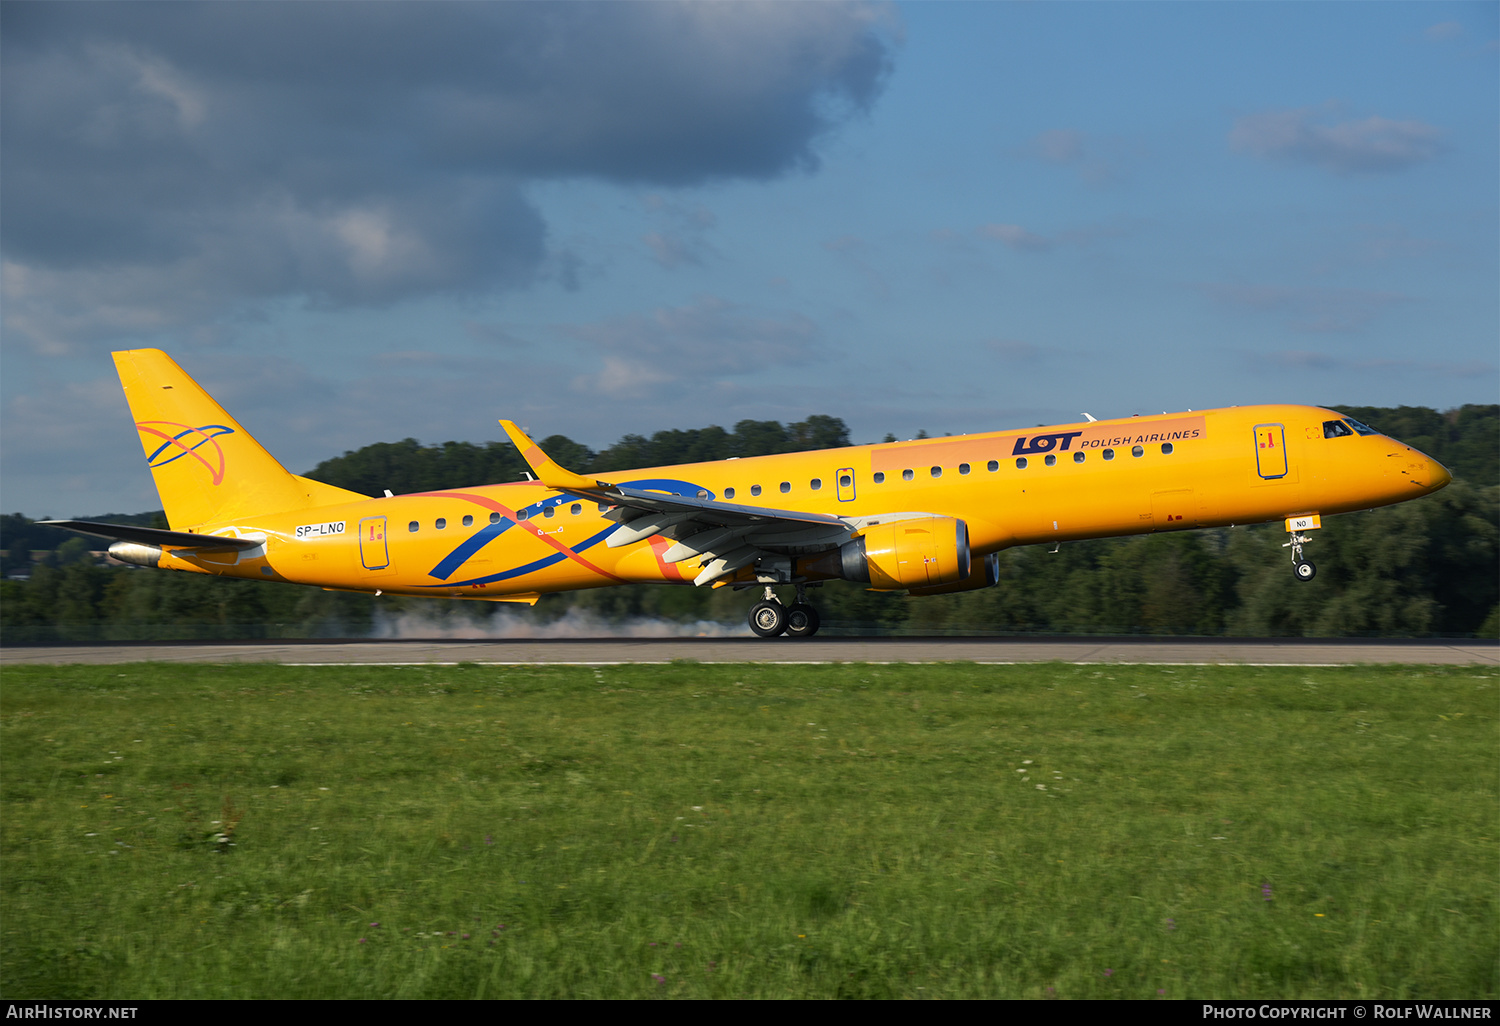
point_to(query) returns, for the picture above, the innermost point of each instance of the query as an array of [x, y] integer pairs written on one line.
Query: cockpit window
[[1335, 428], [1363, 429]]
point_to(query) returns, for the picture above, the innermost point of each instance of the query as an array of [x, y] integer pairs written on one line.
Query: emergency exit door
[[1270, 451], [374, 553]]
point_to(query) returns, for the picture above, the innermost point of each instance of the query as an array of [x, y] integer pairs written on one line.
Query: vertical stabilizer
[[207, 468]]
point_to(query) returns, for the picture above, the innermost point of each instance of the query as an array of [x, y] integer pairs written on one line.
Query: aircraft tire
[[802, 621], [1304, 571], [768, 619]]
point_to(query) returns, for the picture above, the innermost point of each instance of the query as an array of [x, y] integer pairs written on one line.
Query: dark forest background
[[1422, 568]]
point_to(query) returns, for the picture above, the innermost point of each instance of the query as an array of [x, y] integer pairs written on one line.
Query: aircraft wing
[[718, 537], [155, 536]]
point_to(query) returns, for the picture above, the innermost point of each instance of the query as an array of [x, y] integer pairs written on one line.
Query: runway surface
[[584, 652]]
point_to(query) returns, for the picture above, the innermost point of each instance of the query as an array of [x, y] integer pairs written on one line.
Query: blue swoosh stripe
[[178, 437], [519, 571], [455, 559]]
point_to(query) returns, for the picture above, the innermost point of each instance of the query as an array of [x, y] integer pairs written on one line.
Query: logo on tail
[[179, 440]]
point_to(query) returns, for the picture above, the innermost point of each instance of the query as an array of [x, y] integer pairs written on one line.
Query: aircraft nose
[[1437, 475], [1425, 472]]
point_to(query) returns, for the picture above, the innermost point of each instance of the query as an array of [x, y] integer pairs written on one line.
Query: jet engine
[[984, 573], [136, 553], [924, 552]]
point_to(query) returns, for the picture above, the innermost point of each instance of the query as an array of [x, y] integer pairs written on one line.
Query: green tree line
[[1416, 569]]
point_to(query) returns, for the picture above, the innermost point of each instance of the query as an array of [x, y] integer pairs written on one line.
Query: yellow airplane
[[926, 517]]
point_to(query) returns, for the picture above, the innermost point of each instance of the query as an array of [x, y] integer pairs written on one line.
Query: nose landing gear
[[769, 618], [1302, 569]]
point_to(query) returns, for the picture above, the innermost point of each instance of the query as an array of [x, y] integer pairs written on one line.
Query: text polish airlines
[[925, 517]]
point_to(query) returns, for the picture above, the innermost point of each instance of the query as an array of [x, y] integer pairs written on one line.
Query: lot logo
[[1045, 443], [179, 440]]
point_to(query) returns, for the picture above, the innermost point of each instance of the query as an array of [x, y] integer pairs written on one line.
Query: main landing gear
[[769, 618]]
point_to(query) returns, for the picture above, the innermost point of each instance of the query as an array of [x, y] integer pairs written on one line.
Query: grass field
[[748, 831]]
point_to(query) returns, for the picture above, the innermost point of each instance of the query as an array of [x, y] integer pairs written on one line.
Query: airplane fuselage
[[513, 542]]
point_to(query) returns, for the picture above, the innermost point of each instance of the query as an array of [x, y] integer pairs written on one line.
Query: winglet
[[546, 470]]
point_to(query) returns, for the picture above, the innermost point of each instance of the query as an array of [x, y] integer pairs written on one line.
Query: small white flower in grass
[[1041, 787]]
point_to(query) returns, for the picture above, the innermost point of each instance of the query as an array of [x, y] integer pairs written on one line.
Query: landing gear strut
[[769, 618]]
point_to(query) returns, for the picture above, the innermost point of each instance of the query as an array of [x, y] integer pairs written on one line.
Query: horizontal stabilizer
[[154, 536]]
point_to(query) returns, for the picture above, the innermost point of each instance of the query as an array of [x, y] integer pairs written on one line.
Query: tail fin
[[207, 468]]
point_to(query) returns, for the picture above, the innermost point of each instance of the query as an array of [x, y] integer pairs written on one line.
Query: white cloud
[[1302, 360], [1372, 144], [1014, 350], [1318, 310], [711, 339], [216, 156], [1098, 161], [1016, 237]]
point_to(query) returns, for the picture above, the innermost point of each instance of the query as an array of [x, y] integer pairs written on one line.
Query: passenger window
[[550, 512], [412, 527], [963, 468], [603, 507], [994, 465], [1138, 451], [845, 480], [729, 493], [879, 477], [576, 509], [937, 471], [786, 486], [755, 489], [1335, 429], [1109, 454], [1078, 457], [1020, 462], [816, 483], [1051, 461], [523, 514], [702, 493], [907, 475], [1166, 448], [468, 520], [494, 518], [442, 522]]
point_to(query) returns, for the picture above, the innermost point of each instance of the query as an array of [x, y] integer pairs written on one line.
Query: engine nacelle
[[136, 553], [984, 574], [924, 552]]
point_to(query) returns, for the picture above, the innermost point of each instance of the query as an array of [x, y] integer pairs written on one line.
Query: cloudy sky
[[358, 223]]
